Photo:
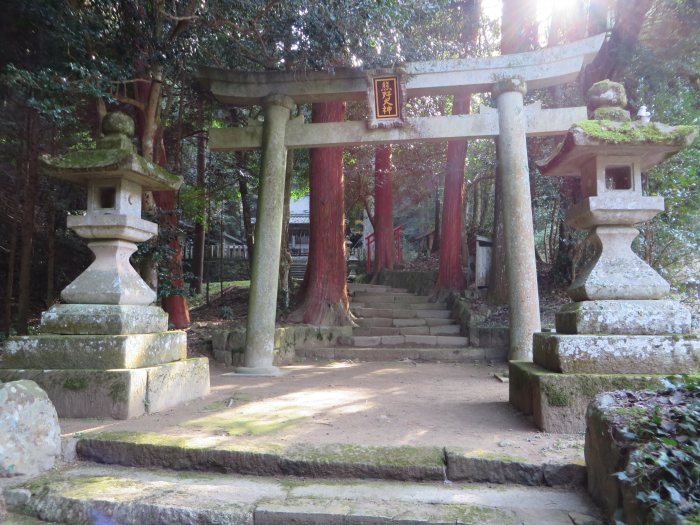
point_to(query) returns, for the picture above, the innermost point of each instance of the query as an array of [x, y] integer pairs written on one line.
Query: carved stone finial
[[505, 85], [118, 123], [607, 100]]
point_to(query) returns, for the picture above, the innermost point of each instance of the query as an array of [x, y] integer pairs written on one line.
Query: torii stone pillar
[[517, 217], [262, 306]]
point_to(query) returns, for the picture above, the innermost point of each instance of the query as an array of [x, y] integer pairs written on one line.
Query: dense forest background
[[65, 63]]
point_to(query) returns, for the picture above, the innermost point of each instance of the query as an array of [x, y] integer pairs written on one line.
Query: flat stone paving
[[129, 495], [373, 404]]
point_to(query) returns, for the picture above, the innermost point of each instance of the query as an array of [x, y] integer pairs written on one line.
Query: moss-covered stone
[[76, 383], [559, 401], [252, 457], [506, 85], [117, 122], [616, 114], [613, 132], [606, 93]]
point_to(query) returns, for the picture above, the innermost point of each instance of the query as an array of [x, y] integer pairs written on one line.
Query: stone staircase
[[148, 479], [396, 324]]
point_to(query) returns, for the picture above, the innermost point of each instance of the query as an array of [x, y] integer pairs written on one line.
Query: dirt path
[[383, 404]]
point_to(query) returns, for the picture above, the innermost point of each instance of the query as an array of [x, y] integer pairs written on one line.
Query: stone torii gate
[[506, 77]]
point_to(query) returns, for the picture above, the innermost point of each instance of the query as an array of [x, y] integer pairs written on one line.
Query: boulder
[[30, 438], [3, 509]]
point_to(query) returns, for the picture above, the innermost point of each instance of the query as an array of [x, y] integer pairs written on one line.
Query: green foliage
[[226, 312], [664, 466]]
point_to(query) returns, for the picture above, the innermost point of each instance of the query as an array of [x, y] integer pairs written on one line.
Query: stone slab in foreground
[[81, 494], [119, 393], [558, 402], [404, 463]]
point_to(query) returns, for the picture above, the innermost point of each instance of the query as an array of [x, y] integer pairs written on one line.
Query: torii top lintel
[[542, 68]]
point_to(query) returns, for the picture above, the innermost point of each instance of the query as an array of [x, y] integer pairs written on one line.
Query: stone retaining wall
[[471, 324], [420, 283], [228, 343]]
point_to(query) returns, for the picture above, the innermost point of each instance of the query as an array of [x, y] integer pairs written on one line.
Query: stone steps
[[449, 329], [394, 324], [397, 340], [91, 493], [411, 306], [354, 288], [443, 354], [401, 313], [391, 298], [411, 321]]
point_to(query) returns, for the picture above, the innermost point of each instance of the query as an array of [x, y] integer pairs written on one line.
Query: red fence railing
[[370, 243]]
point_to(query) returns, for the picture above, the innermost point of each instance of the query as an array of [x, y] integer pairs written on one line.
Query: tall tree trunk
[[324, 292], [50, 254], [199, 230], [10, 281], [285, 255], [174, 303], [31, 178], [519, 28], [152, 148], [436, 218], [450, 274], [247, 217], [624, 37], [498, 279], [384, 252]]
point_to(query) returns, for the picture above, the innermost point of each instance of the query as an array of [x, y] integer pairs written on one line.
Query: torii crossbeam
[[505, 76]]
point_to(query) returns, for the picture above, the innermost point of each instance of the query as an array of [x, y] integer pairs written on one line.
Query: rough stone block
[[415, 330], [94, 351], [409, 322], [503, 469], [520, 386], [375, 321], [381, 330], [30, 438], [392, 340], [366, 340], [559, 401], [404, 313], [605, 455], [617, 354], [433, 314], [223, 356], [103, 319], [437, 321], [624, 317], [421, 340], [492, 336], [448, 329], [448, 340], [308, 335], [173, 383], [119, 394], [219, 339]]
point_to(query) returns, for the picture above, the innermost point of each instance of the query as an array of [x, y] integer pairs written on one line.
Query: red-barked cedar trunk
[[324, 290], [450, 274], [384, 252], [152, 148]]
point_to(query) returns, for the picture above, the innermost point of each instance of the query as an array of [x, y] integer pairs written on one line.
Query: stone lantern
[[621, 330], [107, 351]]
